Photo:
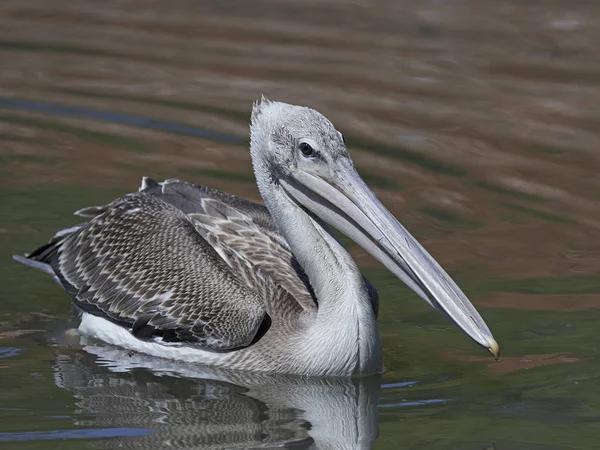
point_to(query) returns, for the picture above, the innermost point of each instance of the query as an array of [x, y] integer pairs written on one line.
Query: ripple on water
[[7, 352]]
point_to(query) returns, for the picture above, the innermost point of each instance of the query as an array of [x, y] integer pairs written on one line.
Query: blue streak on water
[[88, 433], [7, 352], [123, 119], [416, 403], [400, 384]]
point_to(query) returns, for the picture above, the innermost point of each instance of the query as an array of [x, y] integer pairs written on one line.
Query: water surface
[[476, 123]]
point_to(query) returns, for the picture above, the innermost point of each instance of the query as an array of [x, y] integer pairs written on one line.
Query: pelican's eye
[[306, 149]]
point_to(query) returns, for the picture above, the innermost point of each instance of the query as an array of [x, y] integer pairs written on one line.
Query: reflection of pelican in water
[[216, 409], [183, 271]]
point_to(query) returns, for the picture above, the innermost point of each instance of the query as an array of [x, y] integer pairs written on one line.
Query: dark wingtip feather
[[39, 265], [26, 260], [42, 257]]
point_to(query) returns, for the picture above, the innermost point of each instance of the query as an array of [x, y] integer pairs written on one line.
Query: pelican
[[183, 271]]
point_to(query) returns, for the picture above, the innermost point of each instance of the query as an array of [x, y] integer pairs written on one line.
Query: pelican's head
[[299, 151], [289, 138]]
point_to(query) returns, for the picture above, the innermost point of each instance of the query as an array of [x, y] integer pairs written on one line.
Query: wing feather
[[264, 252]]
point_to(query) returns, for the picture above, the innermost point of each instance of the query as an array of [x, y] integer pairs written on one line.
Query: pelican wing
[[261, 258], [141, 263], [244, 235]]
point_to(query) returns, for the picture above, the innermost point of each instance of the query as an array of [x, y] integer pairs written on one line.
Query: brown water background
[[476, 122]]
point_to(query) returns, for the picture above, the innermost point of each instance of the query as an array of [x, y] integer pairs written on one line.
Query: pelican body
[[183, 271]]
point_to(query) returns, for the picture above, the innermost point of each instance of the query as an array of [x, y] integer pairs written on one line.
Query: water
[[475, 122]]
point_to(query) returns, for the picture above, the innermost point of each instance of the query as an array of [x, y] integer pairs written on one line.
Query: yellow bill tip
[[494, 349]]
